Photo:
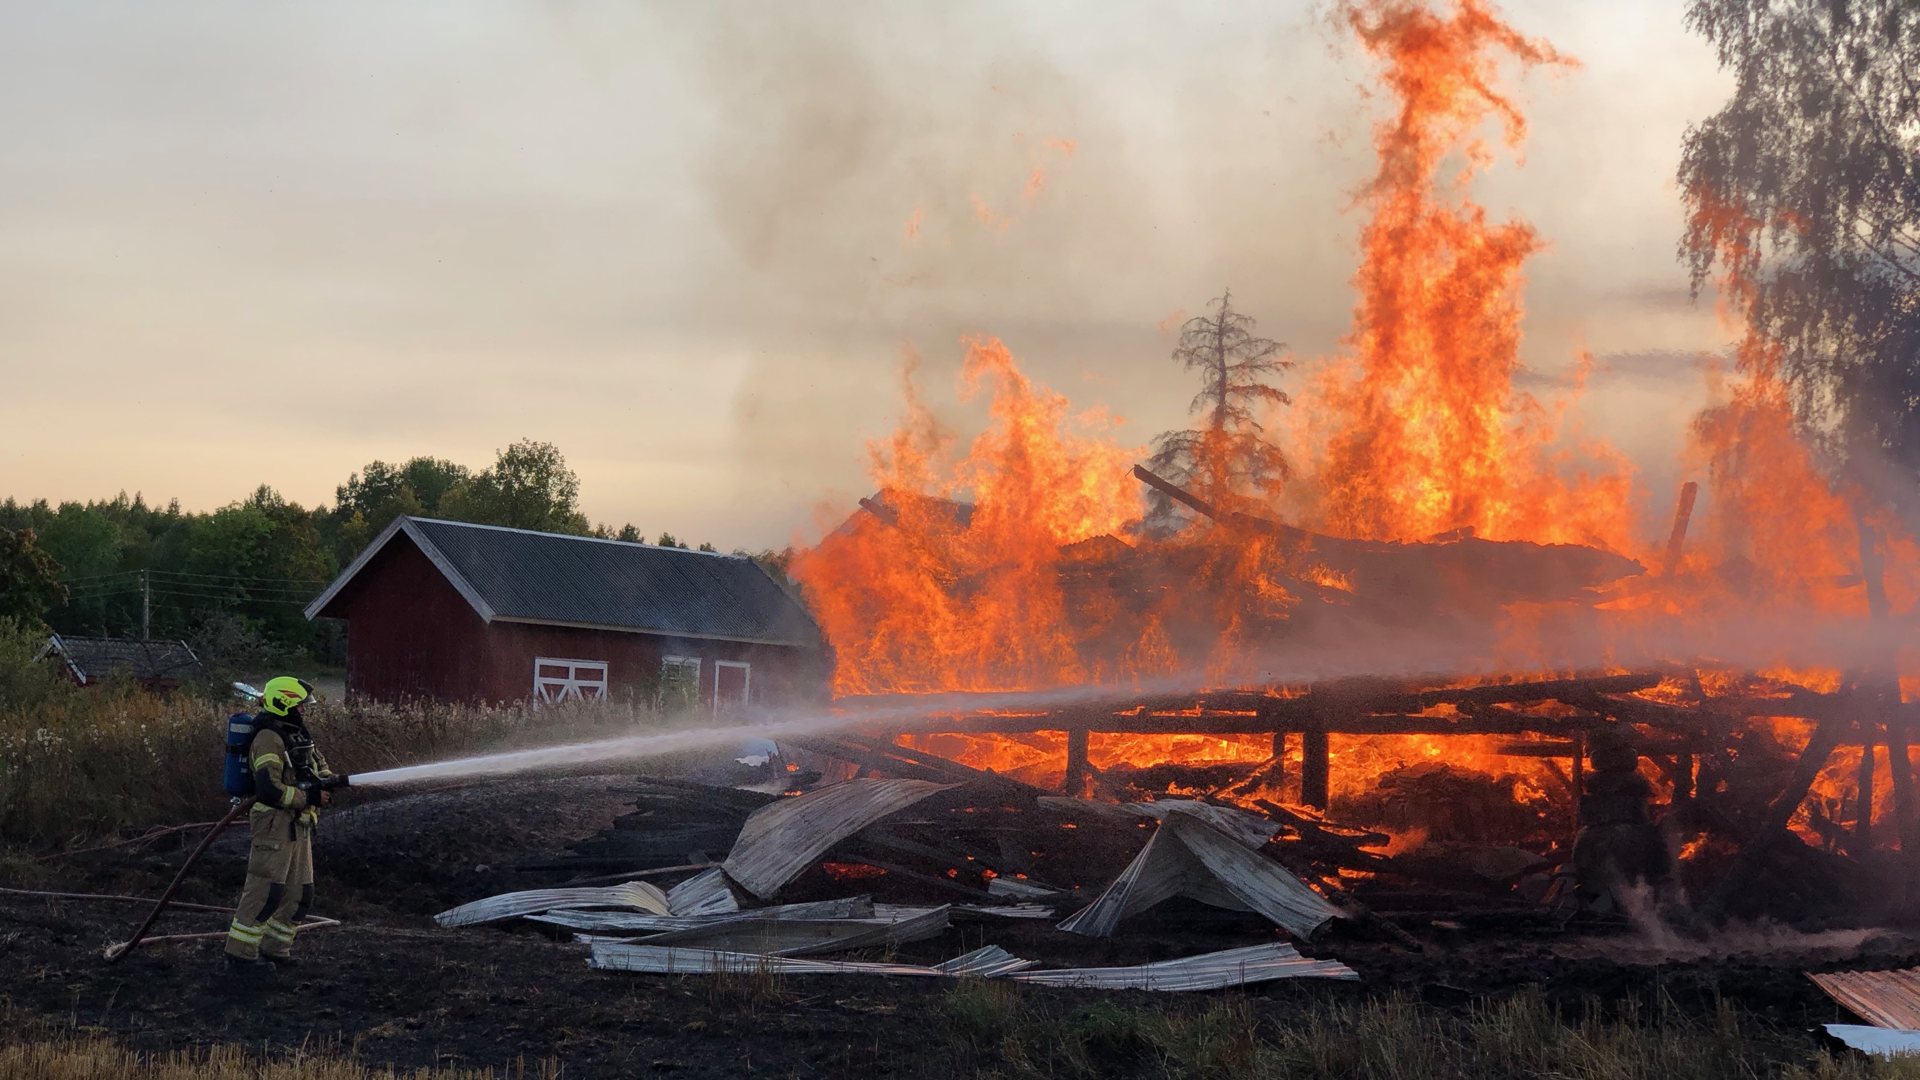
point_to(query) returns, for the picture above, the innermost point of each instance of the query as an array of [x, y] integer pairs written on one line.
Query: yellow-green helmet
[[284, 693]]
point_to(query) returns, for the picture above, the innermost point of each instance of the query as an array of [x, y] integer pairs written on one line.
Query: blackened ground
[[397, 990]]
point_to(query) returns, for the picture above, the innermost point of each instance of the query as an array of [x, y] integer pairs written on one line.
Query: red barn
[[457, 612]]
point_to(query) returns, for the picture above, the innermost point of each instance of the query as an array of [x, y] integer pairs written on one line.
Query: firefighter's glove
[[318, 794]]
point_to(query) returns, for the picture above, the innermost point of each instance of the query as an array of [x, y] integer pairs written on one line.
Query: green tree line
[[234, 581]]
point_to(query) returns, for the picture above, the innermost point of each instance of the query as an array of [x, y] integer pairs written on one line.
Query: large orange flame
[[1002, 567], [1426, 433], [953, 581]]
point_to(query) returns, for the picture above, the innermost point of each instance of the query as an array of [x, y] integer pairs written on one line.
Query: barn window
[[569, 680], [679, 681]]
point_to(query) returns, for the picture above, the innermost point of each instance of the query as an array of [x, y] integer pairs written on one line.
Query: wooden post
[[1077, 766], [1885, 685], [1277, 774], [1863, 819], [1578, 776], [1677, 539], [1314, 768]]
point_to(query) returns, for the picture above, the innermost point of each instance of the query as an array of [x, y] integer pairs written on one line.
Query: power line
[[231, 585], [235, 600], [207, 584], [96, 577], [240, 577], [202, 592], [72, 596]]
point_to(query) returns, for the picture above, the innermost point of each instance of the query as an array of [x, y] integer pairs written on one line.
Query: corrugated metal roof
[[1888, 999], [516, 575], [782, 839], [635, 895], [1208, 971], [92, 658]]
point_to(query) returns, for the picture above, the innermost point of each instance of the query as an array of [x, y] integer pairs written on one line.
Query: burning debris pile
[[1413, 670], [1434, 619], [1563, 805]]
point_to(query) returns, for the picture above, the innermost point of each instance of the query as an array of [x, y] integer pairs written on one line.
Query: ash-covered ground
[[397, 990]]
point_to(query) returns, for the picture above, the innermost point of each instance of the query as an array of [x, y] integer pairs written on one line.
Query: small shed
[[155, 665], [452, 611]]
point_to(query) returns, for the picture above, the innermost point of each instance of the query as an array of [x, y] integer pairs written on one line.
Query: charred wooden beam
[[880, 510], [1773, 824], [1078, 767], [1315, 766], [1557, 748], [1677, 539], [1238, 724], [1319, 831], [1863, 820], [1225, 517]]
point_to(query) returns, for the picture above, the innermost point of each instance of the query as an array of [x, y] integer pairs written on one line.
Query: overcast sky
[[247, 243]]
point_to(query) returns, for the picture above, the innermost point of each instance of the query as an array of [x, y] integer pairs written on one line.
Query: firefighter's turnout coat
[[287, 768]]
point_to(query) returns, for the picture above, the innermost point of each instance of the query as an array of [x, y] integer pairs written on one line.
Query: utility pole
[[146, 608]]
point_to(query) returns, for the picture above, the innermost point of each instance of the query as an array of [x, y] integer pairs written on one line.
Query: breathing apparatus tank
[[239, 739]]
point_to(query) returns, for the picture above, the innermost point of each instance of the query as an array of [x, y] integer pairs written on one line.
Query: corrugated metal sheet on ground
[[1006, 911], [988, 963], [635, 895], [852, 907], [706, 893], [1022, 890], [1886, 1042], [1209, 971], [805, 937], [782, 839], [1888, 999], [1189, 855], [672, 960], [1250, 829]]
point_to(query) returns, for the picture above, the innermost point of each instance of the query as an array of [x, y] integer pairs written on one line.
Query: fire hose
[[160, 905], [115, 952]]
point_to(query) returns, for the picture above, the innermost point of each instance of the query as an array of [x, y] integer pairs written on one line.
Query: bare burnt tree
[[1805, 188], [1229, 457]]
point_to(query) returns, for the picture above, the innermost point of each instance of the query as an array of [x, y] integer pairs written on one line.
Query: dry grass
[[79, 765], [102, 1059], [35, 1049], [1002, 1031]]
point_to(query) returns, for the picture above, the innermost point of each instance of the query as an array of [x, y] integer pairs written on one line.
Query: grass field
[[82, 764], [999, 1030]]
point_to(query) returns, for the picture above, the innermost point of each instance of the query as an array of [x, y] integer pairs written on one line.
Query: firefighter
[[291, 782]]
